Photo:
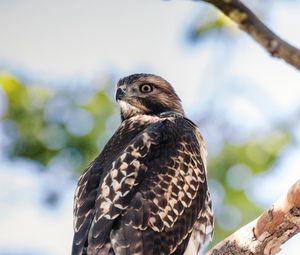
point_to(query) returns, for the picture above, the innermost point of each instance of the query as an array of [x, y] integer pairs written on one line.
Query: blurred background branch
[[248, 21]]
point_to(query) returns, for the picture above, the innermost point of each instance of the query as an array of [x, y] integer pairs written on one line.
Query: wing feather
[[117, 188], [88, 184]]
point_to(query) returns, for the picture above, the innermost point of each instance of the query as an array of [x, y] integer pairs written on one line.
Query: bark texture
[[268, 232], [249, 22]]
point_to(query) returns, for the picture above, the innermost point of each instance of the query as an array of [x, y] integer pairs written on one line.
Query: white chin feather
[[126, 107]]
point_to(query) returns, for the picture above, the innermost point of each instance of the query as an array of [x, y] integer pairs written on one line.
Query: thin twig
[[249, 22]]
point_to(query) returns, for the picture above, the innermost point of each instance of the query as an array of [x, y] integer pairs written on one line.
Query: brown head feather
[[158, 97]]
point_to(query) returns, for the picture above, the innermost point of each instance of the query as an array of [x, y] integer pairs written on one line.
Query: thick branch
[[248, 22], [267, 233]]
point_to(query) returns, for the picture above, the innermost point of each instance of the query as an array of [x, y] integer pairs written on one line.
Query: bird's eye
[[146, 88]]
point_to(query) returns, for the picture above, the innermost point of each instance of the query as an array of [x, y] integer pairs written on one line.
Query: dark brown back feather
[[154, 201]]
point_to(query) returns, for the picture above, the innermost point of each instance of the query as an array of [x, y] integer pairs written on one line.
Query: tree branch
[[268, 232], [248, 22]]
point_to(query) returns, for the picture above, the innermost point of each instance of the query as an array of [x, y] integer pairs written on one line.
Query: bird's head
[[146, 94]]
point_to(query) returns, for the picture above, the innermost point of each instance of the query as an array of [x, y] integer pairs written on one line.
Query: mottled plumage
[[146, 193]]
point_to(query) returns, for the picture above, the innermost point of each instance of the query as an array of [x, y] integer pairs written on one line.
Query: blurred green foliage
[[210, 20], [216, 21], [44, 123], [232, 169]]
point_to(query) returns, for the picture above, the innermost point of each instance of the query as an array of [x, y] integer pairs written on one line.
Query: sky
[[54, 40]]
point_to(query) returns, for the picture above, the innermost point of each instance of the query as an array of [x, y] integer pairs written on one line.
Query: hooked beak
[[120, 93]]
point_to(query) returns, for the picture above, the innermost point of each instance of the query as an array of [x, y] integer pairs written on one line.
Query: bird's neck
[[128, 110]]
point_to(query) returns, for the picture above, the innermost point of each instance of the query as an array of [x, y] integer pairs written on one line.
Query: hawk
[[146, 193]]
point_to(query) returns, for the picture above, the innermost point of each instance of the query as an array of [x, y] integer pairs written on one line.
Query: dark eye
[[146, 88]]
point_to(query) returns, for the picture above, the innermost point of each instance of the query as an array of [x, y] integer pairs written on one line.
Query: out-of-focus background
[[59, 63]]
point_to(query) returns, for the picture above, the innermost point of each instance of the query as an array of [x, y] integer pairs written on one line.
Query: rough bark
[[268, 232], [249, 22]]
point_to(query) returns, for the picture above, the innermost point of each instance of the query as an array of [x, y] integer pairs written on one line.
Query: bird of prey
[[146, 193]]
